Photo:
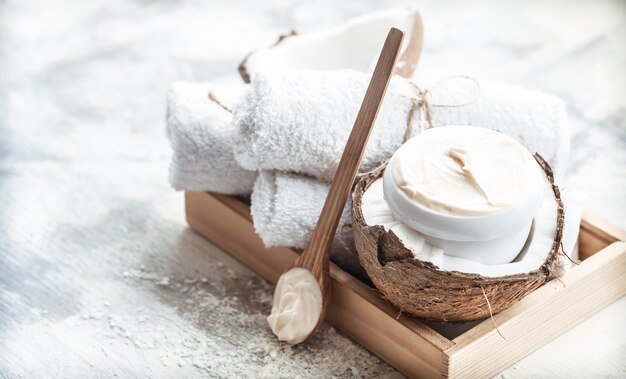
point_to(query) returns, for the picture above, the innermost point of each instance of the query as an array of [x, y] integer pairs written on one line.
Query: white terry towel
[[202, 136], [285, 208], [300, 120]]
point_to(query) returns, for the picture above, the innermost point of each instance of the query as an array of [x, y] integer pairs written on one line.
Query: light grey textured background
[[99, 274]]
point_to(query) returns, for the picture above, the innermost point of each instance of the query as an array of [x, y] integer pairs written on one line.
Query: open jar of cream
[[471, 191]]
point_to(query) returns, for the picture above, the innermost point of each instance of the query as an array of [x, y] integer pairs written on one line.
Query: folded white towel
[[285, 208], [202, 136], [300, 120]]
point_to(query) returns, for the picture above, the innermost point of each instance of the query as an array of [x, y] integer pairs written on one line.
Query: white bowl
[[494, 238]]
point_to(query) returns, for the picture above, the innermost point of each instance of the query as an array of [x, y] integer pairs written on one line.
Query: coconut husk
[[420, 289], [243, 69]]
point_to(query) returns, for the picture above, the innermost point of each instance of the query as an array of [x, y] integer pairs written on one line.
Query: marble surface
[[99, 274]]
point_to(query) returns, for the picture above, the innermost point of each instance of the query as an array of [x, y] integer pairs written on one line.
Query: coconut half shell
[[355, 44], [421, 289]]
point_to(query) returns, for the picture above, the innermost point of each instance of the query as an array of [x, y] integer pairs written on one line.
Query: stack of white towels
[[278, 137]]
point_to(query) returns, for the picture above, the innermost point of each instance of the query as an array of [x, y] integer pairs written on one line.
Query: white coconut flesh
[[354, 44], [376, 212]]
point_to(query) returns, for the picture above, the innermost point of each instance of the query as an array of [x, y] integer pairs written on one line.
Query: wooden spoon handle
[[351, 159]]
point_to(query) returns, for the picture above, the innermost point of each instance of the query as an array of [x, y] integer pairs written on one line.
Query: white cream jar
[[471, 191]]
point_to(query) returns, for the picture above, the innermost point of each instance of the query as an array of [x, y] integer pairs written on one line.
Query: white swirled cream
[[297, 305], [463, 170]]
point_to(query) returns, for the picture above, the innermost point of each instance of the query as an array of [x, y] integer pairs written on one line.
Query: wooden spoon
[[316, 256]]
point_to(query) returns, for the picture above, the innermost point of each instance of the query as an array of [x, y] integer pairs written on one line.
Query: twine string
[[423, 105], [576, 262], [214, 99], [493, 321]]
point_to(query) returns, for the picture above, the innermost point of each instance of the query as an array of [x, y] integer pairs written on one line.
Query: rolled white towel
[[535, 119], [300, 120], [202, 137], [285, 208]]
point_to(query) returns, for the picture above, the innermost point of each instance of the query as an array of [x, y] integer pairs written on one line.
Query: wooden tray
[[410, 345]]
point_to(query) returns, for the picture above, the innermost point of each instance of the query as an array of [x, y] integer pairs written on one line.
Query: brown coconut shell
[[420, 289]]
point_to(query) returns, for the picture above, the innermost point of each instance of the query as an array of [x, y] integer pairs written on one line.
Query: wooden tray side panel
[[383, 335], [596, 234], [541, 316], [356, 309], [235, 234]]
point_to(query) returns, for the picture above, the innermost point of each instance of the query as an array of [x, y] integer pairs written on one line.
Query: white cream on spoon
[[297, 306]]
